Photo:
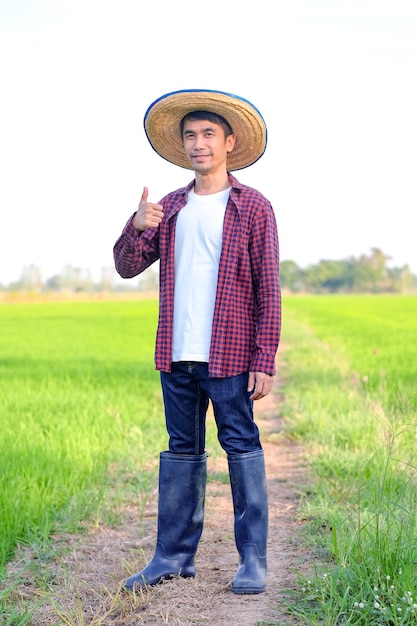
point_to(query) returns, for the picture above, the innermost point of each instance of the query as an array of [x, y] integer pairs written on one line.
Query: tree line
[[73, 279], [364, 274]]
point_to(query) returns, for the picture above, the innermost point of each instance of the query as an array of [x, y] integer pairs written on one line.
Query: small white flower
[[361, 605], [400, 571], [388, 577], [376, 605], [399, 609]]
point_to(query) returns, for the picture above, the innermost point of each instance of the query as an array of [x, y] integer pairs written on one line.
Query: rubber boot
[[250, 503], [182, 484]]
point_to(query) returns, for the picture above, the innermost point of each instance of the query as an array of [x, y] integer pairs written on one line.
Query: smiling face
[[206, 145]]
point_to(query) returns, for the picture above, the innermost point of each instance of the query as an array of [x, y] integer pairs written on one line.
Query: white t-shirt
[[198, 244]]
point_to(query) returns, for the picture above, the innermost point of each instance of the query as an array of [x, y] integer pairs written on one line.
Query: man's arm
[[138, 246]]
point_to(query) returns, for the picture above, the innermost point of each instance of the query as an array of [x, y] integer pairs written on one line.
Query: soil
[[85, 583]]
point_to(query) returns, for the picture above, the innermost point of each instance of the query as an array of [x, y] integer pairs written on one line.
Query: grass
[[351, 398], [77, 393], [82, 425]]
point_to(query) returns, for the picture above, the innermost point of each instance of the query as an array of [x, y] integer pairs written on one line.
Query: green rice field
[[78, 391], [81, 412], [350, 365]]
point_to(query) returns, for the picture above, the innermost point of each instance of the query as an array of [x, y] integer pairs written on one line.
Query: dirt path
[[85, 582]]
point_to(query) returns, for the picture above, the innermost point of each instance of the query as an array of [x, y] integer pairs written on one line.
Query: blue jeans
[[187, 390]]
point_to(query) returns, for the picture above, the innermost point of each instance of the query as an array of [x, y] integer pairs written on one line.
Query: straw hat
[[163, 117]]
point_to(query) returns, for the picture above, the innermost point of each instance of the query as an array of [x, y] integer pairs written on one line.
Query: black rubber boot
[[250, 503], [182, 486]]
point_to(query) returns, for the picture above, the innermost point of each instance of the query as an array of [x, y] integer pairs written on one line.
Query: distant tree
[[291, 276], [107, 278], [54, 283], [149, 279], [75, 279], [324, 276], [31, 279], [370, 272], [336, 275], [401, 279]]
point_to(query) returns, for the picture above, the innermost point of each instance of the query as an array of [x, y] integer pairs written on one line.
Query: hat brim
[[162, 125]]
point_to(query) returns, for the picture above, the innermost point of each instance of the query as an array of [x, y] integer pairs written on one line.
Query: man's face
[[206, 146]]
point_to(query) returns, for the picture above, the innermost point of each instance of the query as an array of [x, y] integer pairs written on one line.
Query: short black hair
[[207, 115]]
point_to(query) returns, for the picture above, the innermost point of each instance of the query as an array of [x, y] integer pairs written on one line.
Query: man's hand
[[148, 215], [260, 384]]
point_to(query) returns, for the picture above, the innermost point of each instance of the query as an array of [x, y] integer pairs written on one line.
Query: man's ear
[[230, 142]]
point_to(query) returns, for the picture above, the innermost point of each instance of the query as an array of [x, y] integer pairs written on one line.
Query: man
[[219, 321]]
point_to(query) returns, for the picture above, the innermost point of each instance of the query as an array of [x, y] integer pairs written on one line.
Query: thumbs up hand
[[148, 215]]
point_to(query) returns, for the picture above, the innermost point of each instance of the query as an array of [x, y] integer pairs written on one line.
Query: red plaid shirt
[[247, 314]]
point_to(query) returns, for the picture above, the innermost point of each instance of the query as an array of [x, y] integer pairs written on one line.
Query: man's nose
[[199, 141]]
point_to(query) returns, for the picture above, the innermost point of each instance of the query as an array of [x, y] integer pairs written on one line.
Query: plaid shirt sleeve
[[133, 252]]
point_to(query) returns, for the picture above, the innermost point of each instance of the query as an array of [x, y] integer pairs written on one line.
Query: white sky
[[336, 81]]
